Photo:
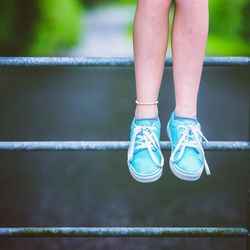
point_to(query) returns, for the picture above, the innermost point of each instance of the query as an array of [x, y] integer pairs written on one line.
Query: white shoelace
[[194, 142], [147, 139]]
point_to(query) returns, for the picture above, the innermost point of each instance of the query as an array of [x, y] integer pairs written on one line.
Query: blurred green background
[[44, 27]]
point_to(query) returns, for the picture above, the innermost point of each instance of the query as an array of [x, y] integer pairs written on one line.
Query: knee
[[155, 5]]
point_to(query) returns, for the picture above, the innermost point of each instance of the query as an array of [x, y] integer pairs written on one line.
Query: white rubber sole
[[145, 179], [180, 174]]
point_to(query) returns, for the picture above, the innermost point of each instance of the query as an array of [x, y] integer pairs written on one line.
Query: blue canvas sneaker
[[145, 159], [187, 159]]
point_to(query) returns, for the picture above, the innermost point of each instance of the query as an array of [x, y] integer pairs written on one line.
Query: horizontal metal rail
[[109, 145], [109, 61], [124, 232]]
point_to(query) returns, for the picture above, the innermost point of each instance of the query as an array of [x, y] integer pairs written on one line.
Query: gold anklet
[[146, 103]]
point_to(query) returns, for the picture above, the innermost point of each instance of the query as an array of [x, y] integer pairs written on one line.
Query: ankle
[[189, 113], [146, 111]]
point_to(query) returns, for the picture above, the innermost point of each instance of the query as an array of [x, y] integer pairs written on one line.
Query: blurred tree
[[38, 27], [15, 25], [229, 27], [225, 17]]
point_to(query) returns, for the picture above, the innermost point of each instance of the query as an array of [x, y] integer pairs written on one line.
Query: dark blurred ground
[[95, 188]]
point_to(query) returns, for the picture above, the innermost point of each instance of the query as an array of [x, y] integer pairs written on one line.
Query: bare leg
[[189, 38], [150, 45]]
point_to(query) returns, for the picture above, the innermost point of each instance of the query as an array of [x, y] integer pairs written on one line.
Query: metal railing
[[240, 232], [124, 232], [108, 145], [108, 61]]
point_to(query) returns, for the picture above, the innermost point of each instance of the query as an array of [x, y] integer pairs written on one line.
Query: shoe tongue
[[188, 121], [145, 122]]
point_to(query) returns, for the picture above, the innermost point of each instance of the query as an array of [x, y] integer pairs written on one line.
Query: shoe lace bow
[[145, 137], [190, 138]]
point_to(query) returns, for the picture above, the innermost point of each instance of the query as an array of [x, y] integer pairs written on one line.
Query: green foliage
[[58, 27], [229, 27], [224, 46], [38, 27], [45, 27], [225, 17]]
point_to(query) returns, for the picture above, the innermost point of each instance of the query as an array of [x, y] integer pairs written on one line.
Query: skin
[[150, 36]]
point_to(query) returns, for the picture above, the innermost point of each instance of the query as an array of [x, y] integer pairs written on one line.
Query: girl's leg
[[189, 36], [150, 45]]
